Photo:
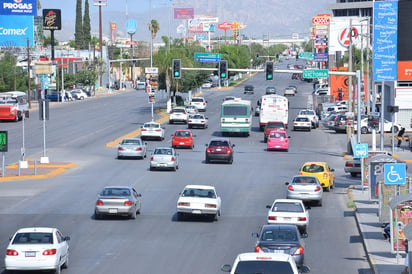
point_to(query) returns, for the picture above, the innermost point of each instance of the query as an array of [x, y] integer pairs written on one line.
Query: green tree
[[47, 40], [87, 37], [78, 35], [154, 28], [12, 77]]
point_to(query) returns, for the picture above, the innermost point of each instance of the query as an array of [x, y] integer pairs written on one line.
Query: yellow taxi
[[320, 170]]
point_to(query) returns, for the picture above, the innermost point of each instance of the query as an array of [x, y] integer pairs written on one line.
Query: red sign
[[321, 19], [404, 70], [321, 46], [113, 26], [344, 36], [131, 42], [184, 13], [225, 26]]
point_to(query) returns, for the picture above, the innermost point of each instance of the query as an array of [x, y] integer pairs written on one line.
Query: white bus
[[236, 116], [273, 108]]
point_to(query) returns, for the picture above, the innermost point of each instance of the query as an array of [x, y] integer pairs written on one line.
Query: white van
[[140, 85]]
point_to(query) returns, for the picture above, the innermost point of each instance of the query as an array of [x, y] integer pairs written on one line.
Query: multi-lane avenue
[[156, 242]]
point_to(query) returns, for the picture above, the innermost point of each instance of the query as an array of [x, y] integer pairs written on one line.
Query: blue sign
[[395, 174], [321, 57], [18, 7], [385, 40], [360, 151], [15, 30], [131, 26]]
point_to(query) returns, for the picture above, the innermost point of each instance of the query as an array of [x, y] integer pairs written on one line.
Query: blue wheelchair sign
[[360, 151], [395, 174]]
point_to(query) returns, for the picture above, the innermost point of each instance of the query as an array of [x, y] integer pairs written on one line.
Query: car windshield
[[304, 180], [115, 192], [287, 207], [199, 192], [249, 88], [278, 135], [277, 235], [150, 125], [219, 143], [263, 267], [313, 168], [163, 151], [33, 238], [131, 142]]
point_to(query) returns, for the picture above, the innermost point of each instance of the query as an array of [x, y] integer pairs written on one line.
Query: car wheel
[[170, 122], [189, 126], [207, 160], [179, 216], [313, 125], [97, 216], [217, 215], [332, 185], [265, 139], [151, 168], [364, 130], [174, 168], [395, 129], [320, 202], [231, 160], [58, 270], [66, 263], [353, 174], [327, 188], [287, 150], [309, 129], [133, 215]]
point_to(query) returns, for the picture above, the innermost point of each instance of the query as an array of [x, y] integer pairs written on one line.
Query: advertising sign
[[15, 30], [18, 7], [401, 216], [184, 13], [321, 57], [321, 19], [404, 70], [385, 39], [113, 26], [340, 34], [131, 26], [225, 26], [52, 19]]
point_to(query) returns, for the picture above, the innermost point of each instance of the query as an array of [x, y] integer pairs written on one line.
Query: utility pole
[[28, 70]]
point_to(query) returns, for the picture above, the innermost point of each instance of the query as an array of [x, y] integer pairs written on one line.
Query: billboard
[[339, 33], [15, 30], [19, 7], [404, 70], [52, 19], [385, 34], [184, 13], [404, 31]]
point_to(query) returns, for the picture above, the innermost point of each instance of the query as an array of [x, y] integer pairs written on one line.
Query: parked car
[[152, 130], [207, 85], [341, 122], [353, 167], [164, 158], [54, 96], [118, 201], [305, 188], [271, 126], [197, 200], [249, 89], [387, 126], [140, 85], [322, 171], [199, 102], [276, 263], [282, 238], [183, 138], [79, 94], [302, 123], [37, 248], [278, 140], [314, 119], [219, 149], [178, 114], [270, 90], [131, 147], [197, 121], [289, 211]]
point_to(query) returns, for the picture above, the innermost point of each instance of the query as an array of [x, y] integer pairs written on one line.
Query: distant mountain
[[272, 18]]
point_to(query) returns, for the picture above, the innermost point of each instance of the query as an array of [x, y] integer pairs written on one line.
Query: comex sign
[[19, 7]]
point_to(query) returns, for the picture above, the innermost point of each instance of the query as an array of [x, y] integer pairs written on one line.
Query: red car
[[278, 139], [271, 126], [183, 138], [219, 149]]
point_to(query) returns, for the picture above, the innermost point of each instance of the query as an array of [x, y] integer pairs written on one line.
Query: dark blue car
[[52, 96]]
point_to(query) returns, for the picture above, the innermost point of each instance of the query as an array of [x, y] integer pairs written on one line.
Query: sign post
[[361, 151]]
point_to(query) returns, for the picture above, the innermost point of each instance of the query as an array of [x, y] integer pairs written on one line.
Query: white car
[[178, 114], [207, 85], [387, 127], [253, 262], [289, 211], [289, 91], [197, 120], [200, 102], [79, 94], [152, 130], [311, 114], [37, 248], [191, 109], [302, 123], [164, 158], [199, 200]]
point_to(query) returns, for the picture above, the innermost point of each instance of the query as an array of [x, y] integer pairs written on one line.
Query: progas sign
[[19, 7]]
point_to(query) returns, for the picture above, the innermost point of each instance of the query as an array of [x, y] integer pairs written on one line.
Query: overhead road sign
[[306, 55], [207, 57], [321, 57], [315, 73]]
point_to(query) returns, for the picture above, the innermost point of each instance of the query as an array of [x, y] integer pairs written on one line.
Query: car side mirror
[[308, 207], [233, 145], [194, 135], [67, 238], [332, 169], [206, 118], [171, 134], [145, 143], [206, 145], [304, 235], [226, 268], [268, 206], [286, 183], [254, 234], [139, 195], [289, 136]]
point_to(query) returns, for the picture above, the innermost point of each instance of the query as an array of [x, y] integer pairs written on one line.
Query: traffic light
[[269, 70], [177, 68], [257, 56], [223, 69]]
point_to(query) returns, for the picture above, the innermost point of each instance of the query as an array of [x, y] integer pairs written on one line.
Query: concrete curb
[[56, 169]]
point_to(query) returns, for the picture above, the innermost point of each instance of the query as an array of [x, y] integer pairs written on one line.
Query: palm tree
[[154, 28]]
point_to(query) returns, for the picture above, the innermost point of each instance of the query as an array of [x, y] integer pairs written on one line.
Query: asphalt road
[[155, 242]]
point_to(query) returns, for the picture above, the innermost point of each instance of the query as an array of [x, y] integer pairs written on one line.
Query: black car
[[249, 89], [281, 238]]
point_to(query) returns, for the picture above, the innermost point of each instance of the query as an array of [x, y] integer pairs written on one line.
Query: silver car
[[305, 188], [118, 200], [197, 120], [164, 158], [131, 147]]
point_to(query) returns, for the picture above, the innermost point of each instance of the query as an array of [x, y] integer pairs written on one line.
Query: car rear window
[[200, 100], [275, 125], [163, 151], [249, 88], [304, 180], [131, 142], [33, 238], [313, 168], [198, 192], [263, 266], [182, 134], [302, 119], [151, 125], [179, 110], [287, 207], [278, 135], [115, 192], [279, 235], [219, 143]]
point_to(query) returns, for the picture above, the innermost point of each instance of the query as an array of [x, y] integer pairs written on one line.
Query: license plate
[[182, 143], [278, 251], [277, 146], [287, 218], [162, 165], [30, 254], [196, 212], [218, 149], [112, 210]]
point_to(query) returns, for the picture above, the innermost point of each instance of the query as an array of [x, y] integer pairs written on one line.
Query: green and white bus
[[236, 117]]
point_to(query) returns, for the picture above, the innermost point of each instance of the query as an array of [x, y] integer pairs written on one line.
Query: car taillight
[[183, 204], [290, 188], [302, 219], [299, 251], [143, 129], [120, 148], [139, 149], [318, 188], [258, 249], [208, 150], [272, 218], [12, 252], [325, 175], [173, 159], [223, 120], [128, 203], [184, 112], [99, 202], [348, 164], [246, 120], [210, 205], [190, 121], [300, 173], [295, 123], [204, 104], [151, 158], [48, 252], [229, 151]]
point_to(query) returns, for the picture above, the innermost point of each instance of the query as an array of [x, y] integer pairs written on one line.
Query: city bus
[[236, 117], [13, 105], [273, 108]]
